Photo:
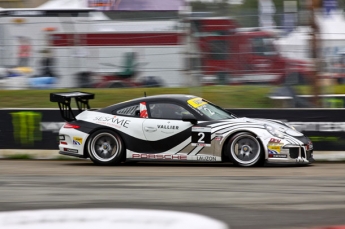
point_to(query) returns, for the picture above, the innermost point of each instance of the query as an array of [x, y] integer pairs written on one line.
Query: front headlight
[[274, 131]]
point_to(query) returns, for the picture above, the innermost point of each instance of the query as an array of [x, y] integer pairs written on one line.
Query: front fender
[[220, 140]]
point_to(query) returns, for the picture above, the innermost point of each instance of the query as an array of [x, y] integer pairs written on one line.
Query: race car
[[174, 127]]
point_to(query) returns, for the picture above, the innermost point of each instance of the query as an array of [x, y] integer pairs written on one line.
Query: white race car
[[175, 128]]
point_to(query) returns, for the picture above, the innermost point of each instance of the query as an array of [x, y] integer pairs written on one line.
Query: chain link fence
[[70, 51]]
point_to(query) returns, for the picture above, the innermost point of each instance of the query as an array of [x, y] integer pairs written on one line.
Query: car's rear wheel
[[245, 150], [105, 147]]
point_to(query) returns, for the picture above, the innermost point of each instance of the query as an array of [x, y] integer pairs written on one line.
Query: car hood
[[283, 127]]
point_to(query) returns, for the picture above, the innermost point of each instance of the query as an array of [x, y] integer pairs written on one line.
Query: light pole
[[315, 31]]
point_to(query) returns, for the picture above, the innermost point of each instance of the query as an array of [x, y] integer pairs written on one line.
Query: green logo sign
[[26, 127]]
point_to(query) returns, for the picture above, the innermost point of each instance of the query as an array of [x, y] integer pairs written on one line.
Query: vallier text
[[167, 127]]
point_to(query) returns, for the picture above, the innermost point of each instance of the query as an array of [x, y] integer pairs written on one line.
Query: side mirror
[[189, 118]]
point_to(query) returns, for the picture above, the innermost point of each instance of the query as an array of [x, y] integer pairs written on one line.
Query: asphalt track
[[262, 198]]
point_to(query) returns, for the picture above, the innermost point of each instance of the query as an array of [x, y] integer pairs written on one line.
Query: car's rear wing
[[64, 101]]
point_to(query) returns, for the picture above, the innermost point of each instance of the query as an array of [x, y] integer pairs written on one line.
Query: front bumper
[[292, 154]]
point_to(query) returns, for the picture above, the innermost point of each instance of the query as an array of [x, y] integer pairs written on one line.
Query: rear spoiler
[[64, 101]]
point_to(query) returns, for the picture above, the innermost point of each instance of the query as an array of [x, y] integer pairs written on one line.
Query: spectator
[[47, 64], [24, 52], [46, 77]]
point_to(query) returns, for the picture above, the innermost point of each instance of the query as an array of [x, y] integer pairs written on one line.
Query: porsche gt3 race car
[[183, 128]]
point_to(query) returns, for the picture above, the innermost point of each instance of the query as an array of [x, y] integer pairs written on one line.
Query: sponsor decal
[[279, 155], [206, 158], [71, 150], [274, 140], [143, 110], [196, 102], [77, 141], [201, 136], [272, 152], [114, 121], [159, 156], [275, 147], [167, 127], [218, 138], [200, 144], [201, 129]]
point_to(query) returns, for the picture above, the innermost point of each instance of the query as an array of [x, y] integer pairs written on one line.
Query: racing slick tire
[[105, 147], [245, 150]]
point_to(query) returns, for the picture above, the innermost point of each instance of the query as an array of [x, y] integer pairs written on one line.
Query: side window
[[263, 46], [258, 46], [167, 111], [133, 111], [219, 49]]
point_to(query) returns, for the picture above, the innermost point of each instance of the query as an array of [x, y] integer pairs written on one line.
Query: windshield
[[264, 46], [210, 110]]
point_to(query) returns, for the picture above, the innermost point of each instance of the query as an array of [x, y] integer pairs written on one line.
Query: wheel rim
[[245, 149], [105, 147]]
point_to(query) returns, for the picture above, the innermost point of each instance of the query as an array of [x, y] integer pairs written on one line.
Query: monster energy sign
[[26, 127], [29, 129]]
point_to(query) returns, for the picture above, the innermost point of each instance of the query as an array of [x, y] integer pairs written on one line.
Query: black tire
[[105, 147], [245, 150]]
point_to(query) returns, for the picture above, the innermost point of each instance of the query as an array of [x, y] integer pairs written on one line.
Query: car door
[[164, 128]]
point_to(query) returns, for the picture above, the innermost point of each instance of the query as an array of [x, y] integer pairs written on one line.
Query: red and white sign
[[143, 110]]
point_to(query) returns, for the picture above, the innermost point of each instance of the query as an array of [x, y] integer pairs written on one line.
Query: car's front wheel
[[245, 150], [105, 147]]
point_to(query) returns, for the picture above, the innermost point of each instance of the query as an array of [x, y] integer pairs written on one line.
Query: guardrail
[[38, 128]]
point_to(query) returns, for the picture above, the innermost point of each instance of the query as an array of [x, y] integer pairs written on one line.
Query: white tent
[[295, 45], [332, 37], [332, 27], [72, 4], [64, 4]]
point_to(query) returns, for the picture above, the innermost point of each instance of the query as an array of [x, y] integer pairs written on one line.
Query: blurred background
[[253, 57], [277, 48]]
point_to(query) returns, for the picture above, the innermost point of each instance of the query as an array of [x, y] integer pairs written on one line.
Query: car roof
[[182, 98], [168, 97]]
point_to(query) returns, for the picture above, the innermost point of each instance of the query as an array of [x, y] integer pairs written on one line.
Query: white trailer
[[34, 25], [80, 44], [159, 49]]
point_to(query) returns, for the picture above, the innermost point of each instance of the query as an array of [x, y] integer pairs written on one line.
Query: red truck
[[233, 55]]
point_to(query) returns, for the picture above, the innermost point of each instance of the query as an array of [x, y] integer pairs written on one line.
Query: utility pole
[[313, 6]]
